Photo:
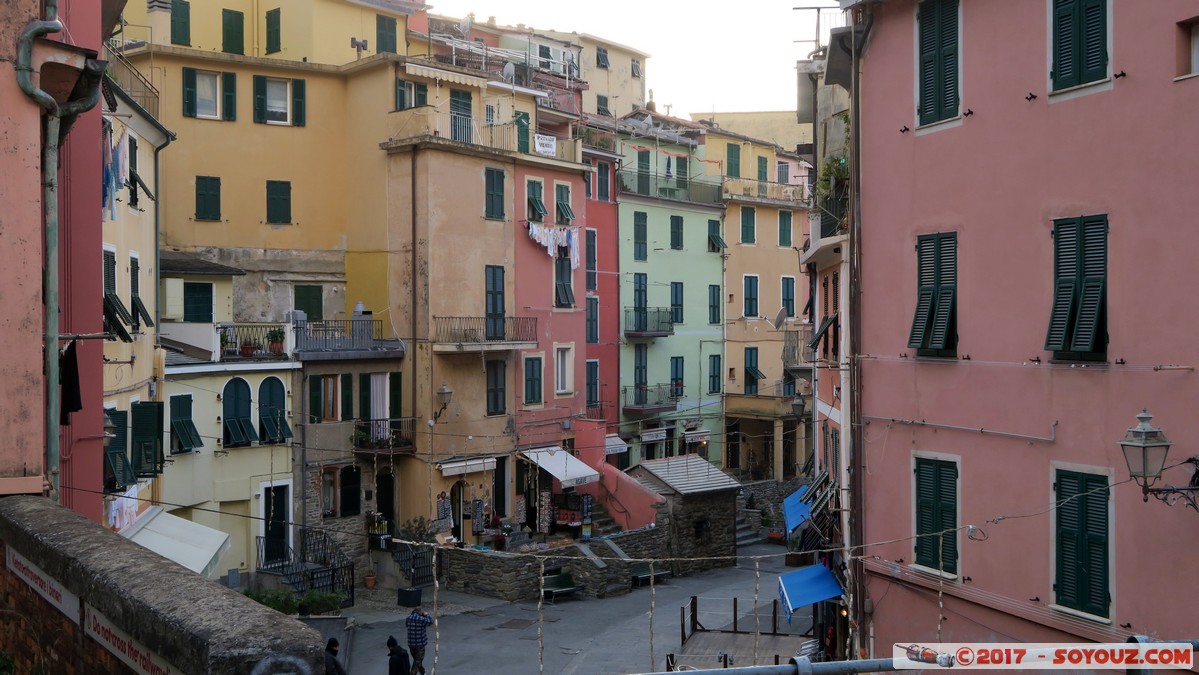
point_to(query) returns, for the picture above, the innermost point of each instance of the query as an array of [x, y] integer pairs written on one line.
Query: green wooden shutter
[[278, 201], [232, 32], [420, 94], [1067, 584], [785, 228], [310, 299], [1065, 44], [948, 58], [299, 114], [347, 396], [147, 438], [1093, 277], [274, 40], [229, 92], [936, 514], [401, 95], [189, 92], [1093, 39], [395, 395], [364, 396], [941, 335], [315, 398], [1066, 283], [181, 23], [385, 34], [117, 452], [733, 160], [260, 99], [762, 169], [748, 225], [522, 132], [947, 515], [1094, 598]]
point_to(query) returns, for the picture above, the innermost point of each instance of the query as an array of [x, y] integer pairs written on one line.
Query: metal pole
[[804, 666]]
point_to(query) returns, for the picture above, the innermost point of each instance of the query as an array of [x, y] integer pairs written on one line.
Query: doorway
[[385, 496], [276, 501]]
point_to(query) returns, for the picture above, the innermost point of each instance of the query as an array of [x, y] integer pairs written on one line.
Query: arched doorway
[[385, 495]]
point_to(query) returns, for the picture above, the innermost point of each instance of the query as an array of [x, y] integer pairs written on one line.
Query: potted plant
[[369, 580], [248, 347], [226, 342], [274, 340]]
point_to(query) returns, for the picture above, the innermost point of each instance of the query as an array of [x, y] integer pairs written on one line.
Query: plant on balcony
[[248, 347], [226, 342], [274, 339]]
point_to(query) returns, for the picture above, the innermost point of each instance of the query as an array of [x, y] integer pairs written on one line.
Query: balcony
[[648, 399], [679, 188], [415, 124], [339, 339], [796, 352], [394, 436], [795, 196], [472, 334], [129, 78], [648, 322], [252, 341]]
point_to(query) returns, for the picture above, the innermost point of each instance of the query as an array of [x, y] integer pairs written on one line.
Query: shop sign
[[653, 435]]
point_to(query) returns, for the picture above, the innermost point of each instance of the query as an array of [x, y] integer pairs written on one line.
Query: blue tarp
[[807, 586], [795, 511]]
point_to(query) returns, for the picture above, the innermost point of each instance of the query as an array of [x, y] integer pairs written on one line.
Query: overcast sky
[[705, 55]]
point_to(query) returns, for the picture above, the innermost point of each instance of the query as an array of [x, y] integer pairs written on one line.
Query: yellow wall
[[616, 81]]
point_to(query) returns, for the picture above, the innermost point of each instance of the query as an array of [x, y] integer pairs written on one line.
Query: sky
[[704, 56]]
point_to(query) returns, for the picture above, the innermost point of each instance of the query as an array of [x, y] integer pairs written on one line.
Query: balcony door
[[494, 303], [643, 172], [276, 503], [522, 132], [641, 374], [461, 123], [640, 300]]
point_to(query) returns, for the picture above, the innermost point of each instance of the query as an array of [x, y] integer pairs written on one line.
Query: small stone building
[[702, 502]]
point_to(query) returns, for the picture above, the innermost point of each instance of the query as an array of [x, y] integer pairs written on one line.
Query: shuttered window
[[272, 411], [1079, 42], [676, 377], [184, 435], [603, 181], [750, 296], [280, 101], [147, 434], [715, 241], [749, 225], [533, 386], [714, 373], [753, 376], [676, 301], [385, 34], [937, 514], [592, 321], [137, 308], [565, 214], [1081, 573], [593, 386], [601, 57], [592, 260], [278, 201], [714, 303], [239, 430], [601, 105], [181, 28], [732, 164], [938, 51], [536, 207], [347, 395], [676, 233], [640, 235], [785, 228], [934, 327], [1078, 321], [208, 198], [274, 41], [197, 302], [497, 395], [411, 94], [564, 294], [118, 474], [788, 290], [233, 24], [493, 206], [310, 299]]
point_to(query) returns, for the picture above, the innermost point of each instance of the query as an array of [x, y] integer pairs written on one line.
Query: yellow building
[[615, 74]]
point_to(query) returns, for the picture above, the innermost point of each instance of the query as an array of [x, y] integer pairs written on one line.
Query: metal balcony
[[316, 340], [768, 191], [455, 334], [680, 188], [796, 352], [648, 399], [252, 341], [648, 322], [391, 436]]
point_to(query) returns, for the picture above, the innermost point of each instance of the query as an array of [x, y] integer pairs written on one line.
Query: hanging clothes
[[71, 395]]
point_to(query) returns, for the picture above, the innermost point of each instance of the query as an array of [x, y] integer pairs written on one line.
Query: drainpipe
[[85, 96]]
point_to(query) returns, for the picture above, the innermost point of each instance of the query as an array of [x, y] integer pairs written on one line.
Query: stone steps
[[746, 535]]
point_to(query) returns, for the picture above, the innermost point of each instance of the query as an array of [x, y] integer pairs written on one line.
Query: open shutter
[[1065, 43], [947, 515], [181, 23], [260, 99], [274, 41], [928, 24], [116, 455], [926, 512], [943, 325], [948, 58], [1093, 37], [364, 396], [147, 438], [314, 399], [229, 92], [1065, 287], [1093, 263], [347, 396], [1069, 530], [926, 276], [939, 337], [1086, 324], [1094, 561], [299, 115], [189, 92], [420, 94], [401, 95]]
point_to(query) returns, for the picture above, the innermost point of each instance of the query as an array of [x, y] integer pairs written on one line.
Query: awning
[[613, 445], [444, 75], [195, 546], [562, 465], [702, 436], [807, 586], [653, 435], [795, 511], [468, 465]]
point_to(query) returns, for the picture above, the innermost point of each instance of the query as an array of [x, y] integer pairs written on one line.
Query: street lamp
[[444, 394], [797, 406], [1145, 448]]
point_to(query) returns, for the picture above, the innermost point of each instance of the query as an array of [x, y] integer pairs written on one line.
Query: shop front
[[548, 507]]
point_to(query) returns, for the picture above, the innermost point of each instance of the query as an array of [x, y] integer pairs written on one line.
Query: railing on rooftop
[[339, 334], [481, 330], [683, 188], [130, 78], [455, 126], [761, 189], [240, 341]]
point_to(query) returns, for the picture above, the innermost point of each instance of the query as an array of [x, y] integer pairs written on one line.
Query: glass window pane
[[206, 95], [276, 101]]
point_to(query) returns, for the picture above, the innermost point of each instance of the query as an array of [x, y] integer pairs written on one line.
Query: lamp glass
[[1145, 448], [444, 394], [797, 406]]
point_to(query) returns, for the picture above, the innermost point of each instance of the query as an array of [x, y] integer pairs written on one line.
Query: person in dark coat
[[397, 662], [332, 665]]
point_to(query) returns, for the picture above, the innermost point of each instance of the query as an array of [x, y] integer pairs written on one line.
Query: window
[[138, 310], [938, 52], [239, 429], [233, 25], [197, 302], [1081, 569], [636, 67], [1079, 42], [789, 295], [536, 207], [533, 380], [593, 387], [209, 95], [784, 172], [763, 169], [788, 384], [601, 105], [641, 372], [603, 174], [323, 398], [181, 32], [563, 370], [749, 225], [385, 34], [714, 303], [133, 180], [564, 295], [280, 101], [934, 329], [565, 214], [278, 201], [117, 472], [329, 493], [146, 437], [676, 301], [676, 233], [715, 241], [461, 116], [640, 225], [1078, 322], [732, 163], [1191, 38], [937, 514], [592, 321], [497, 387], [411, 94], [310, 299], [676, 376], [208, 198], [116, 316], [274, 41], [592, 260], [494, 303], [350, 479], [785, 228], [184, 435], [493, 206], [713, 373], [601, 57], [753, 376], [587, 191], [545, 56], [272, 411], [750, 295]]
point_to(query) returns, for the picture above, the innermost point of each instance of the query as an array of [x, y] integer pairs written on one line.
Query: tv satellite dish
[[509, 71], [780, 318], [465, 24]]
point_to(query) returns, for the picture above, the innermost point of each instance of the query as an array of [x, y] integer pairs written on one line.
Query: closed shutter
[[278, 202], [310, 300], [401, 94], [315, 409], [936, 514], [762, 169], [385, 34], [948, 58], [522, 132], [260, 99], [229, 94], [299, 114], [197, 302], [1094, 563], [938, 44], [274, 40], [1082, 542], [748, 225], [733, 160], [592, 260], [189, 92], [147, 438], [347, 396], [181, 23], [676, 232], [494, 303], [1093, 34], [364, 396], [232, 32], [785, 228], [395, 395], [420, 94], [1065, 44], [640, 235]]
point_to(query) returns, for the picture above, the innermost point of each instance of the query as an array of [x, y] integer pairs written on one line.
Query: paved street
[[581, 636]]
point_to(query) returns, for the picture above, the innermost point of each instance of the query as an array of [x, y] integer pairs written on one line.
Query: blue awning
[[807, 586], [795, 511]]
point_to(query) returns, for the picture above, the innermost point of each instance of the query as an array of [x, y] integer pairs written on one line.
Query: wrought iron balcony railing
[[648, 321], [386, 436], [484, 329], [761, 189], [649, 397], [252, 341], [683, 188]]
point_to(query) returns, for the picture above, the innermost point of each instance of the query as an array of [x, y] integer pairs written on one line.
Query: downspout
[[412, 309]]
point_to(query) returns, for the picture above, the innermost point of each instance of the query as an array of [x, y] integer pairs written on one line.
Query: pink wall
[[998, 178], [629, 503], [602, 217]]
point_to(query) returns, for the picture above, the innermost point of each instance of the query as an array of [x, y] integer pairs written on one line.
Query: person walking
[[418, 638], [332, 665], [397, 661]]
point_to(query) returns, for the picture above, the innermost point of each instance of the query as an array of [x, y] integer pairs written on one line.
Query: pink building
[[1026, 195]]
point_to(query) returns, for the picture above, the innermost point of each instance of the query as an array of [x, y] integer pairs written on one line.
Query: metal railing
[[596, 138], [648, 320], [130, 78], [796, 352], [595, 410], [252, 341], [481, 330], [320, 564], [464, 128], [648, 396], [340, 334], [689, 189], [761, 189], [397, 433]]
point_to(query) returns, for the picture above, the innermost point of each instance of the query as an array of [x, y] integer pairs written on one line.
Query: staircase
[[319, 565], [746, 535], [602, 524]]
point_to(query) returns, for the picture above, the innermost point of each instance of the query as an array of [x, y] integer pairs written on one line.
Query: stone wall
[[703, 531], [91, 601], [768, 496]]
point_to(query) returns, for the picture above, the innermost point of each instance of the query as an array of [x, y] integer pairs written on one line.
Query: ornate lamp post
[[1145, 448]]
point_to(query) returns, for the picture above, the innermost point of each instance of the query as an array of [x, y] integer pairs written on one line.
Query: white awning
[[195, 546], [613, 445], [653, 435], [701, 436], [562, 465], [469, 465], [445, 75]]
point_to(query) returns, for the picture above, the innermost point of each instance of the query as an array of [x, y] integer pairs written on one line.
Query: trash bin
[[408, 597]]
